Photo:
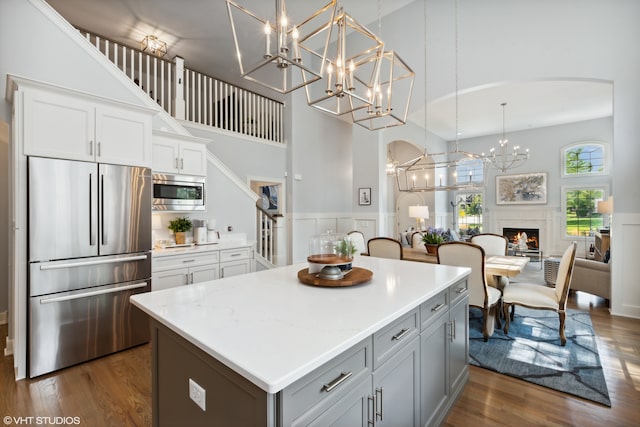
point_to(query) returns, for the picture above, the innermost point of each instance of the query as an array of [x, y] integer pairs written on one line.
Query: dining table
[[495, 265]]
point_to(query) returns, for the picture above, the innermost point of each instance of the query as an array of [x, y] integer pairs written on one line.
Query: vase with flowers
[[432, 238]]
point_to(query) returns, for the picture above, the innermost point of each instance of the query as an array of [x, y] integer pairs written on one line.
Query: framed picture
[[364, 196], [530, 188]]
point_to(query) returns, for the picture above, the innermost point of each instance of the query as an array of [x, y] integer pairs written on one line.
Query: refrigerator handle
[[102, 211], [93, 293], [92, 234]]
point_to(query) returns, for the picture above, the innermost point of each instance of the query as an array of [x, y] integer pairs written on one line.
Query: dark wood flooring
[[116, 390]]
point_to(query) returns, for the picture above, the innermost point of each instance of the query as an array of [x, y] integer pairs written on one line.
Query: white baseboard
[[3, 318], [8, 349]]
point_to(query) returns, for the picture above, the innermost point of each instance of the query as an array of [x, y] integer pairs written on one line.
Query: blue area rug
[[532, 352]]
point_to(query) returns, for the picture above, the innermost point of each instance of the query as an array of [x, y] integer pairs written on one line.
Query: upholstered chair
[[543, 297], [357, 239], [488, 299], [384, 247], [493, 244]]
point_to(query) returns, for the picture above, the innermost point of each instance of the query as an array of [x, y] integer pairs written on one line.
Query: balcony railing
[[190, 95]]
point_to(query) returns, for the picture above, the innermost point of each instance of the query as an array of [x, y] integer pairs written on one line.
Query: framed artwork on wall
[[524, 189], [364, 196]]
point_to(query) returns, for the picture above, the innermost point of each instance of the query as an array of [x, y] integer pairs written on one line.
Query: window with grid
[[580, 210], [469, 170], [469, 212], [584, 159]]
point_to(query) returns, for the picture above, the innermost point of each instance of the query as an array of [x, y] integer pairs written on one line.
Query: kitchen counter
[[273, 330], [231, 244]]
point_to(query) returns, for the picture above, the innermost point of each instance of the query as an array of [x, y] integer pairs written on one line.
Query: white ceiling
[[199, 32]]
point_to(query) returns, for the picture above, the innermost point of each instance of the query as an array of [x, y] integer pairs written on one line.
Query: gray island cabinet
[[262, 349]]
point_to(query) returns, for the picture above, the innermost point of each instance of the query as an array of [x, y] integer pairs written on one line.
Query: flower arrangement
[[434, 236]]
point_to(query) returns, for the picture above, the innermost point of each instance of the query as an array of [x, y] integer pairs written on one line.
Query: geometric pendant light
[[269, 41]]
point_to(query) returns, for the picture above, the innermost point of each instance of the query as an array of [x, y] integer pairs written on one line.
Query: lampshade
[[419, 212], [605, 206], [269, 41]]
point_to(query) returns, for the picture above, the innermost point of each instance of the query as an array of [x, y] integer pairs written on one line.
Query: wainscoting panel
[[625, 268]]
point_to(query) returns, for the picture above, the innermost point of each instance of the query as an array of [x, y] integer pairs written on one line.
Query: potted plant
[[180, 226], [432, 238], [346, 249]]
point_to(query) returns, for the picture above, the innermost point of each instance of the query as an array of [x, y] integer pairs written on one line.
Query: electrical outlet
[[198, 394]]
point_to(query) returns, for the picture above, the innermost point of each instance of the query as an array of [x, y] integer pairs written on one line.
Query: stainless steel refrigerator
[[89, 251]]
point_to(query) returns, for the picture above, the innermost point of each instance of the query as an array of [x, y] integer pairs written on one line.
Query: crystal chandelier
[[351, 68], [270, 49], [505, 160]]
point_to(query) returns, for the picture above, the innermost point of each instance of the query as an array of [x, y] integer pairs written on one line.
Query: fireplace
[[514, 235]]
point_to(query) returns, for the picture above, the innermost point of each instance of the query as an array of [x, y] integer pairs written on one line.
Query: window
[[469, 170], [468, 207], [584, 159], [580, 210]]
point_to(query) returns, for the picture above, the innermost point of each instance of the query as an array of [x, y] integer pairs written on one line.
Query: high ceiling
[[199, 31]]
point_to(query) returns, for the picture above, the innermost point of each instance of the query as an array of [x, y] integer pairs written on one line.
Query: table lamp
[[420, 213], [606, 207]]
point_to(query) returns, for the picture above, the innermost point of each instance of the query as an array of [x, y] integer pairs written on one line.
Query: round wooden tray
[[329, 259], [355, 277]]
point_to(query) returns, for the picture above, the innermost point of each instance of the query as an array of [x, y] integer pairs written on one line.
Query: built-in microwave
[[178, 192]]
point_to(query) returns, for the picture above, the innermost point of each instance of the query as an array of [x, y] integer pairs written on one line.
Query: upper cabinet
[[179, 154], [63, 124]]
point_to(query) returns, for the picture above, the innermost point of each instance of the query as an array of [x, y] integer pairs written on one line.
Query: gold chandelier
[[281, 62], [351, 68]]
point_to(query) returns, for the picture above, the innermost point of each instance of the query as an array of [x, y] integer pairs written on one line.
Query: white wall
[[4, 216], [503, 40]]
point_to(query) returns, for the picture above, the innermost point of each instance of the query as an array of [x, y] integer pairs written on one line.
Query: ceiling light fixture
[[505, 160], [451, 170], [272, 62], [390, 95], [351, 69], [153, 45], [391, 164]]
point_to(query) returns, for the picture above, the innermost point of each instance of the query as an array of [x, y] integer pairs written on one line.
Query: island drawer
[[457, 291], [330, 381], [235, 254], [393, 336], [431, 308], [184, 260]]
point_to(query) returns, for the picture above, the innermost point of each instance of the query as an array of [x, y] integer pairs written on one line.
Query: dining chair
[[493, 244], [487, 298], [357, 239], [543, 297], [416, 239], [384, 247]]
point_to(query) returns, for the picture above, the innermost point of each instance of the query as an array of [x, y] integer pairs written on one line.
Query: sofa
[[593, 277]]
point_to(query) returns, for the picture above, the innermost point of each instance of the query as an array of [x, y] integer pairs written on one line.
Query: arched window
[[584, 158]]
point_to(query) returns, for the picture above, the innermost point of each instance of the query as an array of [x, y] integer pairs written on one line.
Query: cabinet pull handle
[[379, 414], [186, 278], [188, 260], [461, 290], [236, 254], [372, 400], [98, 149], [400, 335], [454, 329], [335, 383], [91, 147], [191, 278], [177, 164], [182, 163], [437, 307]]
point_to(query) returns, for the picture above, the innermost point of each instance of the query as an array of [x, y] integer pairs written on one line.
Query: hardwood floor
[[116, 390]]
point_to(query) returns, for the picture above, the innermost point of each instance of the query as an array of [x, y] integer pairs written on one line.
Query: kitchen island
[[264, 349]]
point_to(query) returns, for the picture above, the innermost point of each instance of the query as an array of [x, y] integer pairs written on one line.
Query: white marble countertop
[[208, 247], [273, 330]]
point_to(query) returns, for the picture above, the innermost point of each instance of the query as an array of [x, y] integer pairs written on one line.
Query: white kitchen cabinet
[[184, 269], [179, 154], [236, 261], [63, 124]]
